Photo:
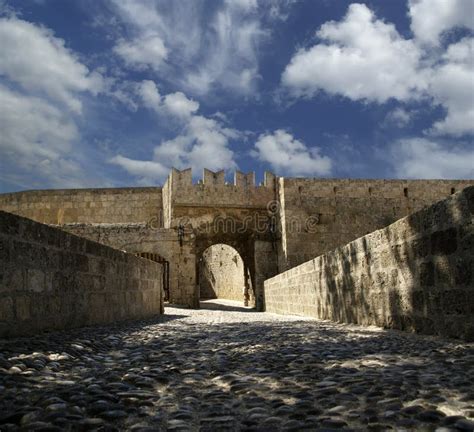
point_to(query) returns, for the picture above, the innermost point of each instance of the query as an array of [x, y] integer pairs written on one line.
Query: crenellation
[[213, 178], [242, 180]]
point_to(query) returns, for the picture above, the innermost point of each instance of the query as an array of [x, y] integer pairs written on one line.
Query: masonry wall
[[140, 237], [116, 205], [221, 274], [318, 215], [416, 274], [197, 205], [50, 279]]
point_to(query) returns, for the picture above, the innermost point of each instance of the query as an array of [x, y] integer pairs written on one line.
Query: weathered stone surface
[[225, 368], [221, 274], [383, 279], [275, 226], [48, 284]]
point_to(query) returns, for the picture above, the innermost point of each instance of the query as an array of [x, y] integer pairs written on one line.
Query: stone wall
[[416, 274], [318, 215], [50, 279], [139, 238], [58, 207], [273, 226], [221, 274]]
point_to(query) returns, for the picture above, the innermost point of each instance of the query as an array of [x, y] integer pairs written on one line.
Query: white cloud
[[398, 117], [175, 104], [31, 127], [179, 105], [39, 62], [150, 95], [366, 59], [37, 140], [142, 53], [422, 158], [147, 171], [43, 86], [202, 143], [201, 47], [452, 85], [362, 58], [287, 155], [430, 18]]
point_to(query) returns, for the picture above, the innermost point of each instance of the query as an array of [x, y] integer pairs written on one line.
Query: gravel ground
[[228, 368]]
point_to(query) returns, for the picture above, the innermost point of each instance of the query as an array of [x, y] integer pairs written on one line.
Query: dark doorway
[[166, 271]]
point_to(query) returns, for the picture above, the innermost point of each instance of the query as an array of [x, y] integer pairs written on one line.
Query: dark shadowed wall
[[416, 274]]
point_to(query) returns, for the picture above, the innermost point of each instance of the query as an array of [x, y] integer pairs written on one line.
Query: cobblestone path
[[233, 370]]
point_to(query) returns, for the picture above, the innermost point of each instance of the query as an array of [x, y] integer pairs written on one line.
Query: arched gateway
[[240, 215], [222, 274]]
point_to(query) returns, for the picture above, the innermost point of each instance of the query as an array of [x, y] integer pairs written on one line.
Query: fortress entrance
[[223, 275]]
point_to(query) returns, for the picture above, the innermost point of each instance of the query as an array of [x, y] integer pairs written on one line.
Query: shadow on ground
[[175, 374]]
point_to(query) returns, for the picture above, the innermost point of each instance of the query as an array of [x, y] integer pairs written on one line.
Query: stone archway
[[214, 211], [222, 274], [243, 247]]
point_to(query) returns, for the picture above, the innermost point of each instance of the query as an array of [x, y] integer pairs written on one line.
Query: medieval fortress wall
[[320, 215], [416, 274], [50, 279], [93, 206], [274, 226]]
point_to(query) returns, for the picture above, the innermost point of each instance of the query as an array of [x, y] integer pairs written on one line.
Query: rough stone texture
[[222, 274], [416, 274], [57, 207], [50, 279], [318, 215], [235, 369], [216, 212], [273, 226], [139, 238]]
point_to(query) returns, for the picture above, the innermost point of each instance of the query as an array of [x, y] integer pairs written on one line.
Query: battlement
[[184, 178]]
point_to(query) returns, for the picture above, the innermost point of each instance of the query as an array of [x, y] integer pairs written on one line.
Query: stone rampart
[[198, 203], [51, 279], [318, 215], [114, 205], [416, 274]]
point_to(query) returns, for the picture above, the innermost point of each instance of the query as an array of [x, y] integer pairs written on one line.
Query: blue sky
[[115, 92]]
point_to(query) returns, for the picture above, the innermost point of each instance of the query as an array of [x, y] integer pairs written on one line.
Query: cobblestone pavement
[[233, 370]]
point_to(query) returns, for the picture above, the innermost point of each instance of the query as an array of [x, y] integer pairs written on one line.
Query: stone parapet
[[416, 274], [51, 279]]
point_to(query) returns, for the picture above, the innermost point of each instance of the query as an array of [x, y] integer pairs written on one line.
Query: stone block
[[455, 302], [35, 280], [444, 242], [420, 247], [9, 223], [7, 312], [418, 301], [464, 271], [22, 308], [427, 274], [466, 237], [469, 195], [13, 279], [4, 250]]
